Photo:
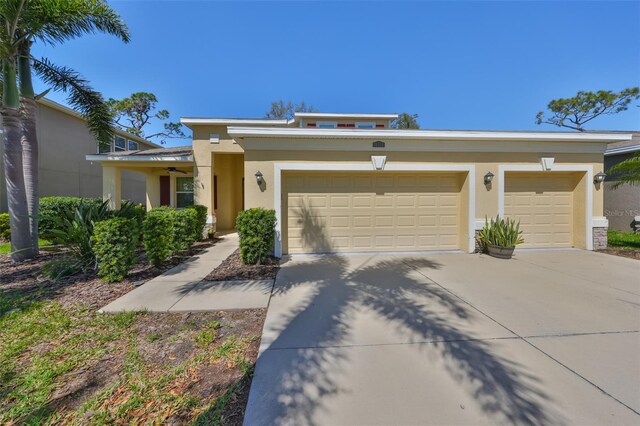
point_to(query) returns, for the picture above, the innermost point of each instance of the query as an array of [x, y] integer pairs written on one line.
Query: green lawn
[[627, 240], [5, 248]]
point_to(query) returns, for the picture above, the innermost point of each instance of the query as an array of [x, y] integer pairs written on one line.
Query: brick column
[[600, 238]]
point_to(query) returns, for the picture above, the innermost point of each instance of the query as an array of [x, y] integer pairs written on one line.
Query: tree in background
[[627, 171], [132, 114], [574, 113], [53, 22], [405, 121], [281, 110]]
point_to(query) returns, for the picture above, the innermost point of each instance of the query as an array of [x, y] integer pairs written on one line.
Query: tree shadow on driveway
[[303, 354]]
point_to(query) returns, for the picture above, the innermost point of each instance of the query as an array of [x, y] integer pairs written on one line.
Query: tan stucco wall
[[63, 142]]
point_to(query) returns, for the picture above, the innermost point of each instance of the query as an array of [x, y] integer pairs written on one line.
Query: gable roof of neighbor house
[[72, 112], [624, 147]]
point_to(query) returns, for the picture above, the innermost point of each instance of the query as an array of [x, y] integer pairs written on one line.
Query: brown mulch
[[25, 278], [622, 252], [232, 268]]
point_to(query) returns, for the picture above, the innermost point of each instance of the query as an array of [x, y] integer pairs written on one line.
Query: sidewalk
[[182, 289]]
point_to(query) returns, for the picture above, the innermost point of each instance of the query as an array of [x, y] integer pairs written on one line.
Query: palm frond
[[81, 96], [56, 21], [625, 172]]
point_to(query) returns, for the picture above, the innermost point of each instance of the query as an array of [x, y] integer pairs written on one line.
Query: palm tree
[[627, 171], [52, 22]]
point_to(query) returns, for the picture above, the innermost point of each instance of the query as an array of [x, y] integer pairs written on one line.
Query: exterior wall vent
[[378, 144]]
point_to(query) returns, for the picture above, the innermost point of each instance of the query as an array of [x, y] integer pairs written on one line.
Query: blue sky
[[459, 65]]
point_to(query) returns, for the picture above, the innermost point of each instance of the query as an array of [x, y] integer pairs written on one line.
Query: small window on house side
[[104, 148], [214, 138], [184, 192], [132, 145], [120, 144], [365, 125], [326, 124]]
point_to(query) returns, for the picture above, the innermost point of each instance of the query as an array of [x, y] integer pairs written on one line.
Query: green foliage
[[54, 208], [201, 222], [132, 114], [135, 212], [281, 110], [501, 232], [405, 121], [184, 224], [157, 231], [627, 171], [114, 244], [575, 112], [627, 240], [5, 230], [256, 229]]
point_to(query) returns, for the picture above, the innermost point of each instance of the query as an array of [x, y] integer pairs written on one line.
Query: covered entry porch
[[174, 179]]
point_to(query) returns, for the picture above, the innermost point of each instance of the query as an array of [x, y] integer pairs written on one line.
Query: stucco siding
[[621, 205], [63, 142]]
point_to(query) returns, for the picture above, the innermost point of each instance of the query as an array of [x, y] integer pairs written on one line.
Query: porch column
[[111, 186], [153, 190]]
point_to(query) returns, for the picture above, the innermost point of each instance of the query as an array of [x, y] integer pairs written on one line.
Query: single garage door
[[543, 202], [371, 211]]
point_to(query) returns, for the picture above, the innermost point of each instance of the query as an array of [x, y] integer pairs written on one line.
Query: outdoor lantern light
[[259, 177], [599, 178], [488, 178]]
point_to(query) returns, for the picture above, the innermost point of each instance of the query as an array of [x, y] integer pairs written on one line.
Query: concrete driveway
[[548, 337]]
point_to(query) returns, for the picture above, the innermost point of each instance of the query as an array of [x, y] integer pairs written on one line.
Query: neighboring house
[[349, 183], [622, 205], [63, 141]]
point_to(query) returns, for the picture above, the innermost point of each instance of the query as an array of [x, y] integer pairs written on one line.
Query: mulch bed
[[232, 268], [622, 252]]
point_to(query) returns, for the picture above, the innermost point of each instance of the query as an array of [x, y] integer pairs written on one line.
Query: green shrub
[[5, 230], [157, 231], [201, 220], [54, 208], [114, 244], [256, 229], [184, 224], [501, 232], [135, 212]]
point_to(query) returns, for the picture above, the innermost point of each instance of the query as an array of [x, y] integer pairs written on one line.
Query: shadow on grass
[[305, 360]]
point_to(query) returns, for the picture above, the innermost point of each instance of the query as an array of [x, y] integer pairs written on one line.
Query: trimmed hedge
[[114, 244], [201, 220], [157, 232], [256, 229], [184, 224], [135, 212], [5, 229]]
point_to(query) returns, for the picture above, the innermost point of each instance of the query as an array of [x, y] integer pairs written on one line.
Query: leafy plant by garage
[[114, 245], [500, 236], [256, 229], [5, 230]]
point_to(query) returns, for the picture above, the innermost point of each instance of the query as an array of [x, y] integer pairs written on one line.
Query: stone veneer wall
[[599, 238], [478, 245]]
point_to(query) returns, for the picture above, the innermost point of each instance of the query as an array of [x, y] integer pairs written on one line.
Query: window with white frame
[[326, 124], [365, 125], [119, 144], [104, 148], [184, 191], [132, 145]]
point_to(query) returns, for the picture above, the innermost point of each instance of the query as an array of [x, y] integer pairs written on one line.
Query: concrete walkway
[[546, 338], [182, 289]]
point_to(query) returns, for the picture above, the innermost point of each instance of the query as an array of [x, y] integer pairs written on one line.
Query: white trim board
[[556, 168], [158, 158], [355, 167]]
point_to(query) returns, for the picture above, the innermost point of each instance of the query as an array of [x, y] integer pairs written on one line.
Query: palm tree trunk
[[29, 141], [21, 248]]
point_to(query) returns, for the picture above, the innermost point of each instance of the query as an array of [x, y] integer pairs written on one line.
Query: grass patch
[[626, 240], [5, 248]]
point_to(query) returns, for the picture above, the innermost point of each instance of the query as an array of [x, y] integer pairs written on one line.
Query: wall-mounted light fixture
[[259, 177], [599, 178], [488, 178]]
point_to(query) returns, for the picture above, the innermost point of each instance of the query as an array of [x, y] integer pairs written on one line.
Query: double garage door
[[364, 212]]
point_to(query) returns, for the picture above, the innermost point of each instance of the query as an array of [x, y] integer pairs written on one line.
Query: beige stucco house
[[63, 141], [350, 183]]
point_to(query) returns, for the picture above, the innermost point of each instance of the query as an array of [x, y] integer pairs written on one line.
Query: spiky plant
[[502, 232]]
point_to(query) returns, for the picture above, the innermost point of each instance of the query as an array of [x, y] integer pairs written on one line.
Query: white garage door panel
[[544, 205], [343, 212]]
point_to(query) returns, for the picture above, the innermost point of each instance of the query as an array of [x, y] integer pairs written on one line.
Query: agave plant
[[501, 232]]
